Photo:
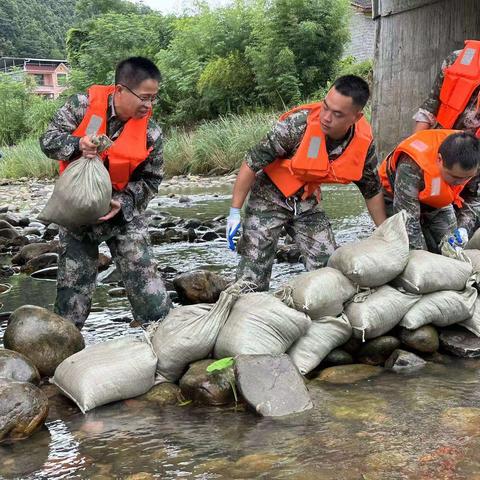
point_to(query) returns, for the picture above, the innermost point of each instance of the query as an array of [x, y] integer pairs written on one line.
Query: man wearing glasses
[[135, 165]]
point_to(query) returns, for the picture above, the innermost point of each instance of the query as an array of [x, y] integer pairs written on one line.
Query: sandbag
[[189, 333], [81, 195], [376, 312], [428, 272], [321, 338], [258, 324], [378, 259], [474, 258], [441, 308], [107, 372], [318, 293], [473, 323]]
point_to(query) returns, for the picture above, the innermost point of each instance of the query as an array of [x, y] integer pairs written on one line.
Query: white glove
[[233, 226], [461, 236]]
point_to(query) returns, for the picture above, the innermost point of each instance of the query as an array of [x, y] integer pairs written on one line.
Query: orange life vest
[[460, 82], [310, 166], [128, 151], [422, 147]]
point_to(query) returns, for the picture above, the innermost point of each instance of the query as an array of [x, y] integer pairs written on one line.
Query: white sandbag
[[441, 308], [321, 338], [374, 313], [259, 323], [474, 258], [318, 293], [378, 259], [474, 242], [189, 333], [473, 323], [428, 272], [107, 372], [81, 195]]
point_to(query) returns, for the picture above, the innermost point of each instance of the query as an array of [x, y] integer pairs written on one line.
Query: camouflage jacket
[[59, 143], [283, 141], [469, 120], [409, 183]]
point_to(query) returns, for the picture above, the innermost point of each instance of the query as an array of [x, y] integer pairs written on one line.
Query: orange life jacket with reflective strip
[[128, 151], [310, 166], [460, 82], [422, 147]]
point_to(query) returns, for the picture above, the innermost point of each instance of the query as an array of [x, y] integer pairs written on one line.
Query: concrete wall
[[411, 40], [362, 36]]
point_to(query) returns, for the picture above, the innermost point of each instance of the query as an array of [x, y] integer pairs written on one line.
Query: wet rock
[[460, 343], [51, 231], [349, 373], [15, 366], [117, 292], [14, 220], [352, 346], [38, 263], [4, 288], [209, 236], [23, 409], [44, 337], [192, 223], [199, 286], [158, 237], [288, 254], [32, 231], [4, 225], [207, 388], [8, 233], [271, 385], [191, 235], [424, 339], [49, 273], [403, 361], [110, 275], [34, 250], [184, 200], [104, 261], [6, 271], [376, 351], [338, 356], [163, 394], [4, 208], [37, 225]]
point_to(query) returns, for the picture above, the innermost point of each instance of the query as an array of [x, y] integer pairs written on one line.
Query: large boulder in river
[[34, 250], [23, 409], [38, 263], [44, 337], [15, 366], [199, 286]]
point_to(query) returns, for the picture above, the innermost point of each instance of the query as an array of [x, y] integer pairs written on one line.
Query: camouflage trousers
[[304, 221], [129, 245]]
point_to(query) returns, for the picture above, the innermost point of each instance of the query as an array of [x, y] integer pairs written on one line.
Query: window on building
[[62, 79], [39, 79]]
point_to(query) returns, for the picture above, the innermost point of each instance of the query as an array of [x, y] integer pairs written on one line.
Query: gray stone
[[51, 231], [209, 236], [338, 356], [49, 273], [376, 351], [104, 261], [15, 366], [199, 286], [34, 250], [8, 233], [23, 409], [271, 385], [42, 336], [207, 388], [38, 263], [4, 225], [5, 288], [163, 394], [344, 374], [192, 223], [424, 339], [460, 343], [403, 361]]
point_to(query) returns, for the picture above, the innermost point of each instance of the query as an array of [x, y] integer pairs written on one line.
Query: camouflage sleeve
[[408, 184], [430, 106], [469, 214], [369, 184], [146, 179], [280, 142], [58, 142]]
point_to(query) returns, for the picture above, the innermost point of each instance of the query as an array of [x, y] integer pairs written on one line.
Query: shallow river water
[[418, 426]]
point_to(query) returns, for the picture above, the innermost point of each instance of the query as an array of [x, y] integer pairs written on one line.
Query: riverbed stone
[[163, 394], [117, 292], [5, 288], [4, 225], [344, 374], [34, 250], [403, 361], [460, 343], [338, 356], [51, 231], [42, 336], [104, 261], [376, 351], [44, 260], [49, 273], [424, 339], [14, 220], [207, 388], [23, 409], [8, 233], [199, 286], [271, 385], [18, 367]]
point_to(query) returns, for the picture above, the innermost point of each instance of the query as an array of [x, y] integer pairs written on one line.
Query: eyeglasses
[[152, 99]]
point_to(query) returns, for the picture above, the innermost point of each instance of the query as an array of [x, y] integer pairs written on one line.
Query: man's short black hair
[[134, 70], [462, 148], [354, 87]]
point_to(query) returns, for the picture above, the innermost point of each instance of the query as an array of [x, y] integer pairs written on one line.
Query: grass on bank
[[214, 147]]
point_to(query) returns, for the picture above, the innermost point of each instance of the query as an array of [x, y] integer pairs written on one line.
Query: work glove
[[233, 226], [452, 245], [460, 237]]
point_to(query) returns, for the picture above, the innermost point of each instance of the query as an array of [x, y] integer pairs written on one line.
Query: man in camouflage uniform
[[268, 210], [124, 228], [468, 121]]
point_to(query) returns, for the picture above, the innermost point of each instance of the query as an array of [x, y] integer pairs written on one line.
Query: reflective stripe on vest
[[422, 147], [461, 79], [310, 166], [129, 149]]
